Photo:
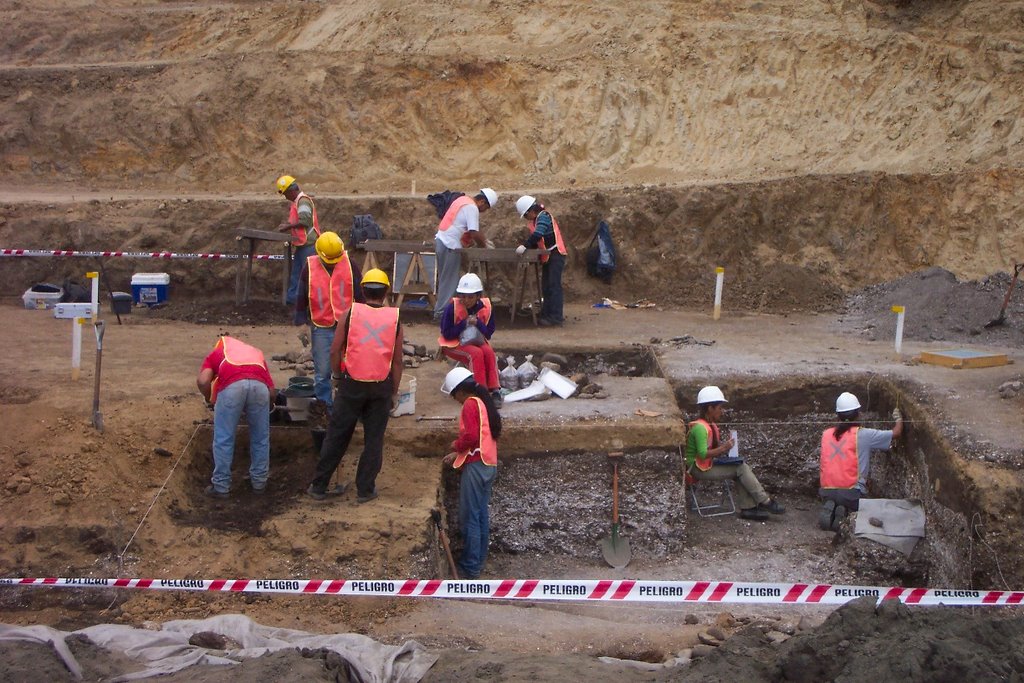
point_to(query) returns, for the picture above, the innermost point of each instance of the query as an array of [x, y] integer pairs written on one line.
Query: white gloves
[[490, 244], [521, 249], [896, 414]]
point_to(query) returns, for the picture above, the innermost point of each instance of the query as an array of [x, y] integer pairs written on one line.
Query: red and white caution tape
[[620, 590], [134, 254]]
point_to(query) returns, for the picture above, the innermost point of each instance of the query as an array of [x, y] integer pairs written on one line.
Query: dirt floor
[[836, 158]]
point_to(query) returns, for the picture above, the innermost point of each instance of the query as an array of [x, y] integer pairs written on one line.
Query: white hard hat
[[454, 378], [469, 284], [524, 203], [492, 196], [710, 395], [847, 402]]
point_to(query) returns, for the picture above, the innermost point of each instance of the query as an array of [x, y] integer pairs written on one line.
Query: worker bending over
[[329, 284], [467, 324], [459, 227], [846, 459], [234, 378], [475, 452], [366, 357], [704, 446]]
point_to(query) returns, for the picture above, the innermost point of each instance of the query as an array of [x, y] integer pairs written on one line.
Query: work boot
[[214, 493], [366, 497], [323, 495], [756, 514], [841, 512], [772, 506], [827, 515]]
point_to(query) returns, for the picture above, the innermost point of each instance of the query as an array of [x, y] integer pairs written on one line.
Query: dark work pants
[[551, 287], [366, 402]]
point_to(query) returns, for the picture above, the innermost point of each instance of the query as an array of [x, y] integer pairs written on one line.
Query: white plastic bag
[[509, 378], [527, 372]]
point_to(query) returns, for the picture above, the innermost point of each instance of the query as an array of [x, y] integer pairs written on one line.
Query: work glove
[[896, 414], [470, 320], [490, 244], [521, 249], [299, 318]]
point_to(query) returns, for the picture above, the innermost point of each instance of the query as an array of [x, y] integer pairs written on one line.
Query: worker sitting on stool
[[467, 324], [846, 459], [704, 445]]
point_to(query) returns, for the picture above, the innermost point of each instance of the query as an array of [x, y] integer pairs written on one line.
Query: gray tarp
[[902, 522], [168, 650]]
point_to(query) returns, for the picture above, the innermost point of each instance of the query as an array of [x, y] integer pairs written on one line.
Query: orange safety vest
[[299, 234], [488, 448], [236, 353], [704, 464], [372, 334], [330, 294], [449, 217], [840, 468], [559, 244], [461, 314]]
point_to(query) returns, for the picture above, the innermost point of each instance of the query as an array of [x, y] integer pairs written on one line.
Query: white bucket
[[563, 386], [406, 398], [298, 408]]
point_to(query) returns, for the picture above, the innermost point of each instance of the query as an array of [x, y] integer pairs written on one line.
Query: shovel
[[615, 548], [97, 416], [1017, 267], [443, 535]]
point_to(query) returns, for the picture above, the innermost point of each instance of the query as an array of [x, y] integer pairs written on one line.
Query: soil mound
[[939, 307]]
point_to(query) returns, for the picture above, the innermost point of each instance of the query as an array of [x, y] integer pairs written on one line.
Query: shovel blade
[[97, 422], [616, 550]]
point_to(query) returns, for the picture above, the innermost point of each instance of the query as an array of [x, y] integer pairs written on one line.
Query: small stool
[[725, 505]]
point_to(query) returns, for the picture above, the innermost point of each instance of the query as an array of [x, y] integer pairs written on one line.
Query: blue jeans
[[253, 397], [551, 288], [474, 516], [299, 256], [320, 339]]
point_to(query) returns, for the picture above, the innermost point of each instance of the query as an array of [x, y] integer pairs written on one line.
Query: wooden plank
[[963, 358], [396, 245], [502, 255], [264, 235]]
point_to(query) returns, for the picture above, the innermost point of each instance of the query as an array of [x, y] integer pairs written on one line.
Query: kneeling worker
[[846, 459], [704, 445], [467, 324], [366, 358]]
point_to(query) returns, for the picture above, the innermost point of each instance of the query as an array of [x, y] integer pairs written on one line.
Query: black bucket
[[318, 439]]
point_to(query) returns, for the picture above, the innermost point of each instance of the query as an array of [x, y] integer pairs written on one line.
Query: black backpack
[[364, 228]]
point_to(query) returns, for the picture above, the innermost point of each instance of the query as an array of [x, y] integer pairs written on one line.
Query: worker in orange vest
[[846, 460], [234, 378], [466, 328], [366, 358], [459, 227], [475, 453], [545, 234], [330, 281], [706, 458], [303, 224]]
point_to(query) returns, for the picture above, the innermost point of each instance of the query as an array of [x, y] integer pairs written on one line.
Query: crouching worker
[[705, 448], [475, 452], [466, 328], [366, 358], [234, 378], [846, 460]]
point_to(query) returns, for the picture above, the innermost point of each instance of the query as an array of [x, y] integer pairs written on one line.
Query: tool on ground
[[420, 418], [97, 416], [443, 535], [1017, 267], [615, 548]]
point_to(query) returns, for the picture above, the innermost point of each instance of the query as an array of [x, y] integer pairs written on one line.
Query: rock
[[23, 459], [875, 521], [163, 452], [777, 637], [707, 638], [554, 367], [556, 359], [786, 627], [62, 499], [421, 350], [725, 620], [702, 650], [213, 641], [542, 397], [24, 487], [579, 395], [805, 623], [600, 394], [691, 619], [409, 350], [12, 484], [716, 632], [580, 378]]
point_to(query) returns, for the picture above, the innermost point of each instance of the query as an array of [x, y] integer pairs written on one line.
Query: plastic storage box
[[121, 303], [42, 296], [150, 288]]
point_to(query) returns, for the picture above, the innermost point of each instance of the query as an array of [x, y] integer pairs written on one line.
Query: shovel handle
[[615, 493]]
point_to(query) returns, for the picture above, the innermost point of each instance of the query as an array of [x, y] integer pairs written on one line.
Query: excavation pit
[[628, 361]]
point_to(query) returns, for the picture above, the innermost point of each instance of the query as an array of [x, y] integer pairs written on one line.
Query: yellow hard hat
[[375, 276], [284, 182], [329, 247]]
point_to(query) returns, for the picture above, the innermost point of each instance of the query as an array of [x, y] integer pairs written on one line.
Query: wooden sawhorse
[[247, 239]]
